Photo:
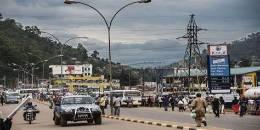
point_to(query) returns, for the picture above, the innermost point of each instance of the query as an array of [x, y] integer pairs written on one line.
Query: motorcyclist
[[28, 106]]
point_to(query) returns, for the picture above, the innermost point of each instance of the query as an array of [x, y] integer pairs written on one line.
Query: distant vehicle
[[253, 93], [11, 97], [76, 108], [25, 92], [134, 95]]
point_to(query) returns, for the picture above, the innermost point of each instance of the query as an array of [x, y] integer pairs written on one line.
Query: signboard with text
[[218, 69]]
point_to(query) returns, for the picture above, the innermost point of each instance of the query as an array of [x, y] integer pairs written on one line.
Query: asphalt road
[[44, 122], [228, 121]]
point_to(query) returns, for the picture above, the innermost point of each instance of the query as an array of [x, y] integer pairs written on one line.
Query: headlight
[[67, 110], [95, 109]]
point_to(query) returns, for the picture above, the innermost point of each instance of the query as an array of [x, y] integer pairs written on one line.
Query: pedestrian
[[117, 105], [243, 106], [222, 105], [102, 104], [2, 100], [129, 102], [215, 106], [165, 102], [160, 101], [235, 105], [199, 105], [172, 101], [181, 105]]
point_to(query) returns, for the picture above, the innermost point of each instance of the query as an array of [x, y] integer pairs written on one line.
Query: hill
[[246, 50], [24, 45]]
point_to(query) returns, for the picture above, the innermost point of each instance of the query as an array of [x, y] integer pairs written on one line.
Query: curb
[[179, 127]]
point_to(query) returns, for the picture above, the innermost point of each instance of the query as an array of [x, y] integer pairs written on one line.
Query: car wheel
[[63, 122], [98, 120], [56, 120]]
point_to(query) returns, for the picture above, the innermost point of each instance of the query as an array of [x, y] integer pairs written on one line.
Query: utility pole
[[192, 57], [5, 82], [143, 81]]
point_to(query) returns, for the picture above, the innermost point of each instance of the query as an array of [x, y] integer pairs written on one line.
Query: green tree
[[95, 54]]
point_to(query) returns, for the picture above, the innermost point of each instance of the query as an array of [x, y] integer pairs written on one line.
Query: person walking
[[243, 106], [117, 104], [165, 102], [215, 106], [172, 101], [181, 105], [235, 105], [102, 104], [160, 101], [199, 105], [222, 105], [2, 99]]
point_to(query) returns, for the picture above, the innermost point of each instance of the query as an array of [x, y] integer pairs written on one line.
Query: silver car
[[76, 108]]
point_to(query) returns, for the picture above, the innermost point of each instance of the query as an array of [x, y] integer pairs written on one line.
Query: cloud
[[142, 31]]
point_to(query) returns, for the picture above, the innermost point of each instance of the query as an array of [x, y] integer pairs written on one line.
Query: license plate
[[82, 116]]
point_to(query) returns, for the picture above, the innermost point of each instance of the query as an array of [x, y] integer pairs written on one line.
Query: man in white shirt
[[117, 104]]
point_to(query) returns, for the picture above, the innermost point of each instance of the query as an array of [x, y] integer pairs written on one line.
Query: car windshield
[[77, 100], [13, 94]]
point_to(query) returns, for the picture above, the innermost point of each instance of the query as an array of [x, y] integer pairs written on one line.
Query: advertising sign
[[217, 50], [67, 69], [219, 66], [218, 69]]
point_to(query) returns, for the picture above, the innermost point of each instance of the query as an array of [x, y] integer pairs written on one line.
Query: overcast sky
[[141, 32]]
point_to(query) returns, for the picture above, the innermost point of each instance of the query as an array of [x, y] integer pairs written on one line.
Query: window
[[77, 100]]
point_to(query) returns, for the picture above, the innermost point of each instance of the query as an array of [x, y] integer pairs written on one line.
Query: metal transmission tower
[[192, 57]]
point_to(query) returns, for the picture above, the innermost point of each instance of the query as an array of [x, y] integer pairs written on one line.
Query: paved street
[[44, 122], [229, 121]]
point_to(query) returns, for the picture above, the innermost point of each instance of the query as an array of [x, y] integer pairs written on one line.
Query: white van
[[135, 96]]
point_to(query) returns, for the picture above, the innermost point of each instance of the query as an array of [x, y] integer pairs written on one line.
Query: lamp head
[[70, 2], [145, 1]]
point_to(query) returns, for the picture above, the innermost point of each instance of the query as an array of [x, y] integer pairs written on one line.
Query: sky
[[141, 32]]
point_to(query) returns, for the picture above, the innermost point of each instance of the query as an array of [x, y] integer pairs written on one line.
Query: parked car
[[76, 108], [11, 97]]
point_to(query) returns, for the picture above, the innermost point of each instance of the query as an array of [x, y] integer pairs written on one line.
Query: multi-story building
[[71, 70], [75, 77]]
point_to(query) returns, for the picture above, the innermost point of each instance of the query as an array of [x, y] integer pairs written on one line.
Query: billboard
[[218, 69], [217, 50], [219, 66], [67, 69]]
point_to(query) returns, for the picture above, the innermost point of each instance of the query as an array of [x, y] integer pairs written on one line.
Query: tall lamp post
[[61, 49], [108, 25]]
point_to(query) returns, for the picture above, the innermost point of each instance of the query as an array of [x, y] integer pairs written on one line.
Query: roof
[[233, 71]]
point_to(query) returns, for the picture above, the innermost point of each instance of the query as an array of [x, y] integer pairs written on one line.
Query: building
[[79, 77], [68, 70], [241, 78]]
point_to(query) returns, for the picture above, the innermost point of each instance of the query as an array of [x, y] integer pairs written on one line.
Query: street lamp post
[[61, 49], [108, 26]]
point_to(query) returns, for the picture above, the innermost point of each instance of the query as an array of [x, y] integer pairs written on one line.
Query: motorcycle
[[30, 114]]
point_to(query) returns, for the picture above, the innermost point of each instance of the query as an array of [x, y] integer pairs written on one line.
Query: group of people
[[115, 103], [166, 101]]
